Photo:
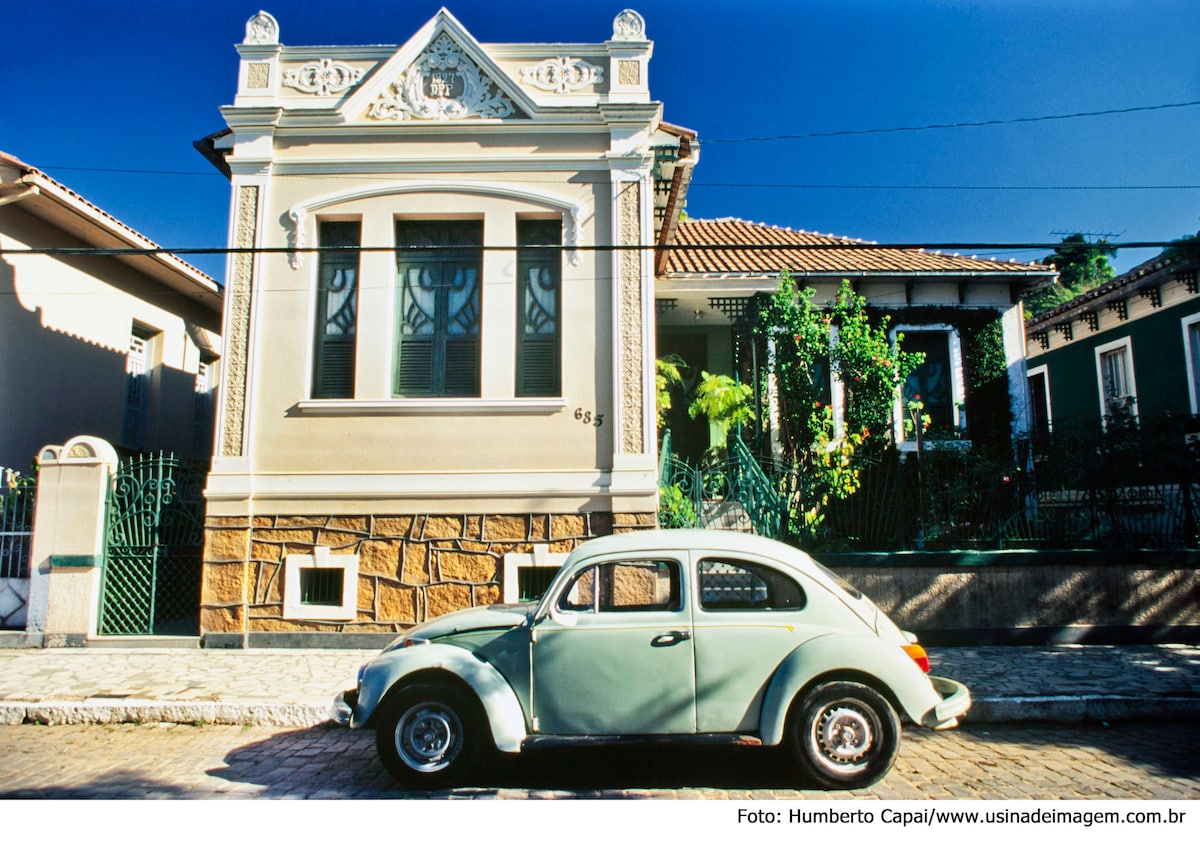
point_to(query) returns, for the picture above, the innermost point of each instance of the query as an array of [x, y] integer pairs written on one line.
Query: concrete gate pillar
[[68, 541]]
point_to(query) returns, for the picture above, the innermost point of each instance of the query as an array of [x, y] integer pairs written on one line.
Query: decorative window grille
[[337, 310], [322, 586], [539, 325], [438, 277]]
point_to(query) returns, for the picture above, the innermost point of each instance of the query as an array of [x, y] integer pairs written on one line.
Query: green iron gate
[[152, 563]]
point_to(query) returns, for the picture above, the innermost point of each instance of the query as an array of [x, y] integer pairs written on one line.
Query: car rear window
[[736, 585]]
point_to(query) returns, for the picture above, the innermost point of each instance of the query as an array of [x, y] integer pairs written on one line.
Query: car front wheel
[[428, 735], [844, 735]]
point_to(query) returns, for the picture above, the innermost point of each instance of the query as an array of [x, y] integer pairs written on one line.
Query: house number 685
[[585, 417]]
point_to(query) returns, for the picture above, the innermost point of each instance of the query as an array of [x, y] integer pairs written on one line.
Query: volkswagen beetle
[[680, 634]]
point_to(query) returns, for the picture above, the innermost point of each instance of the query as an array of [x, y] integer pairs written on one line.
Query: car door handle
[[671, 638]]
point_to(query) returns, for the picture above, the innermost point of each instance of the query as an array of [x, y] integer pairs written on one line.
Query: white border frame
[[321, 558]]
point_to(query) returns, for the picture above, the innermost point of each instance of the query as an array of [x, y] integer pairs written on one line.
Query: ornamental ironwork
[[155, 537]]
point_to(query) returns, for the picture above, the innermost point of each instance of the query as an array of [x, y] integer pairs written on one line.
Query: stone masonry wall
[[411, 567]]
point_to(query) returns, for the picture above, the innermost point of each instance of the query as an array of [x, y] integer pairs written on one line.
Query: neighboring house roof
[[41, 196], [735, 248], [1152, 273]]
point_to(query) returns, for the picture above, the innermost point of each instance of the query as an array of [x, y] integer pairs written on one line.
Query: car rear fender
[[505, 716], [832, 657]]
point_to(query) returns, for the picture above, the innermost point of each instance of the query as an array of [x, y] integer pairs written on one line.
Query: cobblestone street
[[1126, 760]]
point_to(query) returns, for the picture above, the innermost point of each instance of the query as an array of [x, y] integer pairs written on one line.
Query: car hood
[[498, 617]]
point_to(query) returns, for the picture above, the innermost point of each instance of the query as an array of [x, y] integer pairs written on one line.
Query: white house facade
[[440, 321]]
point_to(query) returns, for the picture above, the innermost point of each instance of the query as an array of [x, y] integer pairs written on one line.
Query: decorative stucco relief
[[262, 29], [238, 327], [632, 352], [562, 75], [258, 76], [629, 26], [443, 84], [323, 77]]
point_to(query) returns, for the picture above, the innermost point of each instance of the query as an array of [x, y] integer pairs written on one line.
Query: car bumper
[[956, 700], [343, 708]]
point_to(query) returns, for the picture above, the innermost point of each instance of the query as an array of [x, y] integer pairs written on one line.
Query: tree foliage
[[807, 345], [723, 401], [1082, 266]]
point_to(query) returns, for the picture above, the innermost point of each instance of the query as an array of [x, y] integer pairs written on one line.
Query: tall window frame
[[539, 308], [336, 322], [1041, 411], [1191, 351], [1116, 380], [947, 410], [439, 300]]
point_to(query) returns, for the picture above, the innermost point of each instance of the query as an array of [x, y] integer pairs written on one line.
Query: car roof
[[717, 540]]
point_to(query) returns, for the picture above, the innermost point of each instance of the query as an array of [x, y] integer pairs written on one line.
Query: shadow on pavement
[[335, 761]]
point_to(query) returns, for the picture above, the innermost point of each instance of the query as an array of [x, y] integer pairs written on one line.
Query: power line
[[959, 125], [1049, 187], [847, 245]]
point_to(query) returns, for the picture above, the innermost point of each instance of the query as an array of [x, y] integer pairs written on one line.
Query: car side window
[[627, 585], [736, 585]]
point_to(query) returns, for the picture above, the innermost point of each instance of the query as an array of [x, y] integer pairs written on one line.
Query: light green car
[[689, 634]]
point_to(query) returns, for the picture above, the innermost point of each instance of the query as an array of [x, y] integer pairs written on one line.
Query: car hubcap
[[843, 735], [429, 737]]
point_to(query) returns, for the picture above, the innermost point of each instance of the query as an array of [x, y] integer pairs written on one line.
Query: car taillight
[[919, 655]]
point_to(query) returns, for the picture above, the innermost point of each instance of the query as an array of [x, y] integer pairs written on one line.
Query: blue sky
[[108, 96]]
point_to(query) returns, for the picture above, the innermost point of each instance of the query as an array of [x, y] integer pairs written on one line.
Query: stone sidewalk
[[292, 687]]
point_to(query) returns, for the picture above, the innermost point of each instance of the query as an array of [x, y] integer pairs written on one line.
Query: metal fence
[[17, 495], [1119, 490]]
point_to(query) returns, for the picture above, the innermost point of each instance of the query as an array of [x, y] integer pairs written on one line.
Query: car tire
[[844, 735], [429, 735]]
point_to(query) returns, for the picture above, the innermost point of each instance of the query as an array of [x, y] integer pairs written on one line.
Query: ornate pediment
[[444, 83]]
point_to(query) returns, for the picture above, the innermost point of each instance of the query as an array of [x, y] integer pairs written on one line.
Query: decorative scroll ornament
[[629, 26], [262, 29], [323, 78], [562, 75], [443, 84]]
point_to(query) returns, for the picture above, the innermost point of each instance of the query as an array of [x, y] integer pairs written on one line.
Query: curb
[[987, 710], [1082, 708], [110, 712]]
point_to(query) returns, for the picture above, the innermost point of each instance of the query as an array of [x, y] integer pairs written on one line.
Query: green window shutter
[[336, 326]]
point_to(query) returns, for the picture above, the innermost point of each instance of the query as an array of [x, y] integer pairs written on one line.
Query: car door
[[748, 615], [612, 651]]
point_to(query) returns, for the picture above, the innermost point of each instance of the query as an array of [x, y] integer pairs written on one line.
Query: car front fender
[[841, 656], [505, 716]]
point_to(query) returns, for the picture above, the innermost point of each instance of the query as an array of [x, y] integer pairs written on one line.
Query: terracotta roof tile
[[753, 248]]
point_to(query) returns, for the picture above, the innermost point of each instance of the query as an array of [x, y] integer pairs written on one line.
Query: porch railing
[[730, 492]]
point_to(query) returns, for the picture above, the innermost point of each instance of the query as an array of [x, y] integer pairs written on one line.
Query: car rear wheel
[[844, 735], [428, 735]]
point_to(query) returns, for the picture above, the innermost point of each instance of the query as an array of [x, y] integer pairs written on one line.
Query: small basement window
[[321, 586], [528, 575]]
